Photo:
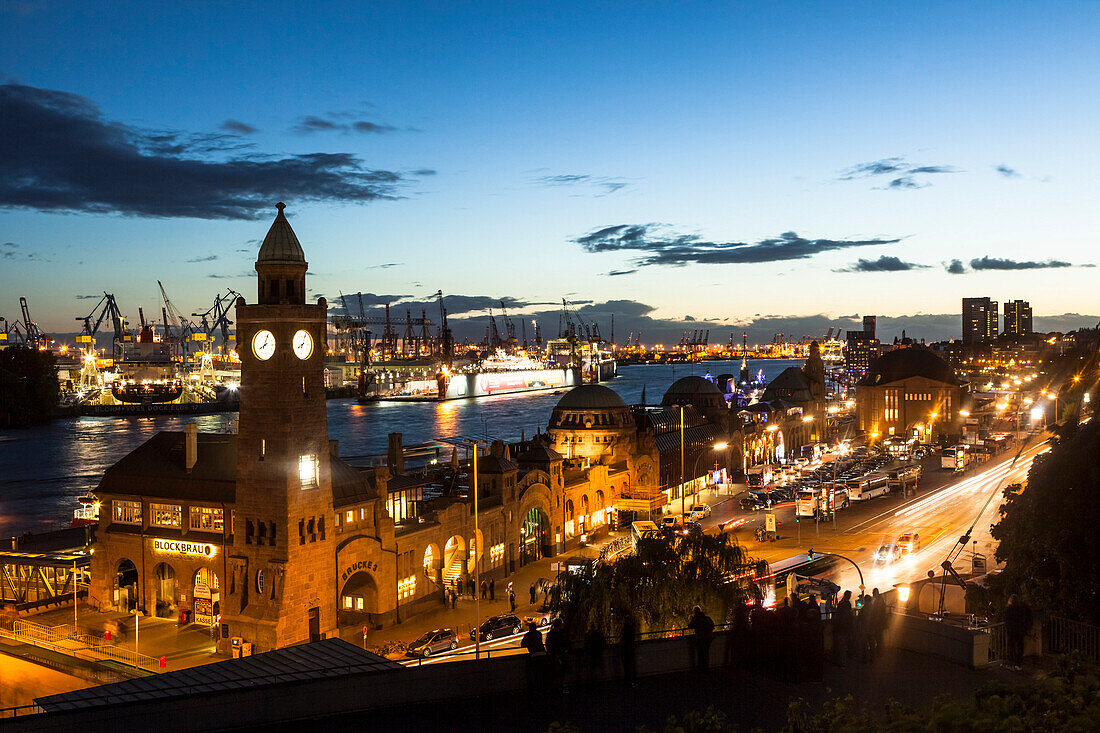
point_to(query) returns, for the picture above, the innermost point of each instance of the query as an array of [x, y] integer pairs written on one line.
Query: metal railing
[[68, 640], [998, 643], [1060, 635], [15, 712]]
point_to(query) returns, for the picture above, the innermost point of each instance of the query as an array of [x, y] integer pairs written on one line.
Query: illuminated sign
[[192, 549]]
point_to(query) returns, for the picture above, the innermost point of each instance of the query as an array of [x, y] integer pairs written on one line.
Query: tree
[[658, 584], [1047, 531], [29, 391]]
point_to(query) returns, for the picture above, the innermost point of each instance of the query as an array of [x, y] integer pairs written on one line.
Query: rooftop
[[281, 244]]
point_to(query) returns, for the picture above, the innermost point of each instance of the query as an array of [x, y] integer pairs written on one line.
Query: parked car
[[750, 503], [504, 625], [700, 511], [537, 618], [433, 642], [669, 523]]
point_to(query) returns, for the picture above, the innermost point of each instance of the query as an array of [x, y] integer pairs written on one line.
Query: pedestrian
[[594, 646], [471, 586], [863, 628], [703, 627], [454, 599], [784, 632], [815, 642], [878, 623], [1018, 620], [536, 657], [492, 589], [512, 600], [559, 646], [534, 594], [842, 630], [484, 590], [628, 641]]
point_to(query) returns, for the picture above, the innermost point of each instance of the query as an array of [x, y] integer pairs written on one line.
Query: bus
[[955, 458], [807, 502], [869, 486], [905, 478], [758, 476]]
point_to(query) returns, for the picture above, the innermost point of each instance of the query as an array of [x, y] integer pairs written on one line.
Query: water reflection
[[43, 470]]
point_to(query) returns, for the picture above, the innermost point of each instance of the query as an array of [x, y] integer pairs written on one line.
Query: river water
[[44, 469]]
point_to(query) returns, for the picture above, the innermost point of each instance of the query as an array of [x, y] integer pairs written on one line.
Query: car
[[887, 553], [750, 503], [908, 542], [701, 511], [507, 624], [690, 527], [537, 618], [669, 523], [433, 642]]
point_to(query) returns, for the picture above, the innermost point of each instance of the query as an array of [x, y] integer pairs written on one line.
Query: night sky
[[770, 166]]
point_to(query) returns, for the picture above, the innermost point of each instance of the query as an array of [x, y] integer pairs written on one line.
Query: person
[[628, 641], [471, 585], [492, 589], [594, 645], [512, 600], [559, 646], [536, 657], [454, 599], [842, 630], [703, 627], [878, 623], [484, 590], [815, 642], [785, 631], [863, 628], [1017, 617], [534, 594]]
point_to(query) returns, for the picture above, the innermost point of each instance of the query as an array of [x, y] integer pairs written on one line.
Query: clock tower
[[282, 566]]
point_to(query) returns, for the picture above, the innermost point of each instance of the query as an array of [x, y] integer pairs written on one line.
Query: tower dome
[[281, 244]]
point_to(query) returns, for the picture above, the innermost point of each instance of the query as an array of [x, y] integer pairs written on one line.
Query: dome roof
[[281, 243], [590, 397], [915, 361], [495, 464], [692, 389]]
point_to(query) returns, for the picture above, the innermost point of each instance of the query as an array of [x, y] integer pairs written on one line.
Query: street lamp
[[477, 551]]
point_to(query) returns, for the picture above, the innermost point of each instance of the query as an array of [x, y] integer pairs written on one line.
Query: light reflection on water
[[44, 469]]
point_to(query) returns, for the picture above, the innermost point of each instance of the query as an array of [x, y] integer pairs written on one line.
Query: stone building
[[910, 392]]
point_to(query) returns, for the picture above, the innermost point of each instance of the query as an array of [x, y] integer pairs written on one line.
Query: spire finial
[[280, 206]]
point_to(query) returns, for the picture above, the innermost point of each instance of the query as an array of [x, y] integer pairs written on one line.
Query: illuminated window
[[307, 470], [350, 516], [126, 512], [206, 519], [347, 602], [165, 515], [362, 512], [359, 604], [259, 581]]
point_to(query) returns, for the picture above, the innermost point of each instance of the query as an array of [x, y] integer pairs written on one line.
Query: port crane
[[106, 308], [216, 319], [412, 342], [32, 335], [177, 329]]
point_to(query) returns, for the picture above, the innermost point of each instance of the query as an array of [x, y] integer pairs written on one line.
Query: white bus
[[869, 486], [758, 476], [807, 502], [955, 458]]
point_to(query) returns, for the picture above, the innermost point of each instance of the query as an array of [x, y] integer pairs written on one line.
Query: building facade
[[1017, 318], [910, 392], [979, 321]]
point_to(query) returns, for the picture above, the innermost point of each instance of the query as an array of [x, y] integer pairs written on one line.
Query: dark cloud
[[1006, 171], [424, 172], [955, 267], [997, 263], [87, 297], [9, 245], [898, 167], [885, 263], [239, 127], [385, 265], [602, 183], [333, 123], [663, 248], [208, 258], [225, 276], [616, 273], [58, 154], [689, 319], [10, 251], [905, 182]]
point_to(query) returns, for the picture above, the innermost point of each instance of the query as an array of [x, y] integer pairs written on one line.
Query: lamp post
[[477, 565]]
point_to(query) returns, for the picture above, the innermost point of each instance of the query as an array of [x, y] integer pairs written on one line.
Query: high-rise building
[[870, 326], [979, 321], [1017, 318], [862, 347]]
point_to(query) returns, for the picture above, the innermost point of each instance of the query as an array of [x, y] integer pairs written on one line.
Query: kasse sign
[[195, 549]]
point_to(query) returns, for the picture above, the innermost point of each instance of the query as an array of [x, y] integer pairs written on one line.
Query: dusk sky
[[725, 161]]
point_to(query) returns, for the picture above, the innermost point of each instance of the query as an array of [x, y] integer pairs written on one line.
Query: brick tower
[[282, 567]]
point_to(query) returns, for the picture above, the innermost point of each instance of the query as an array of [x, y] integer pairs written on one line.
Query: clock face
[[303, 345], [263, 345]]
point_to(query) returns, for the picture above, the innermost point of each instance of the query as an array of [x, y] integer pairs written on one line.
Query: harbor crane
[[216, 318], [106, 308], [446, 338], [32, 335], [177, 329]]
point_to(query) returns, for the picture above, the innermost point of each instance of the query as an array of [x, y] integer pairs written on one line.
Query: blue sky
[[511, 133]]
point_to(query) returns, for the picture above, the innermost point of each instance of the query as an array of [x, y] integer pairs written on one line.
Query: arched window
[[569, 512]]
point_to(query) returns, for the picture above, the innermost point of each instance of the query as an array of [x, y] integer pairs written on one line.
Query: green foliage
[[658, 585], [1047, 530], [710, 720], [29, 392]]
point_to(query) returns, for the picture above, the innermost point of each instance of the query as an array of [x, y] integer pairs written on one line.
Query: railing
[[1061, 635], [998, 643], [615, 547], [67, 639], [15, 712]]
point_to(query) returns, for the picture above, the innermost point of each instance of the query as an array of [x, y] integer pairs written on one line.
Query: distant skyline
[[736, 167]]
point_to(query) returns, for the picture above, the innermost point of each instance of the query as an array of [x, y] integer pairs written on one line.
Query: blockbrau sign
[[194, 549]]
